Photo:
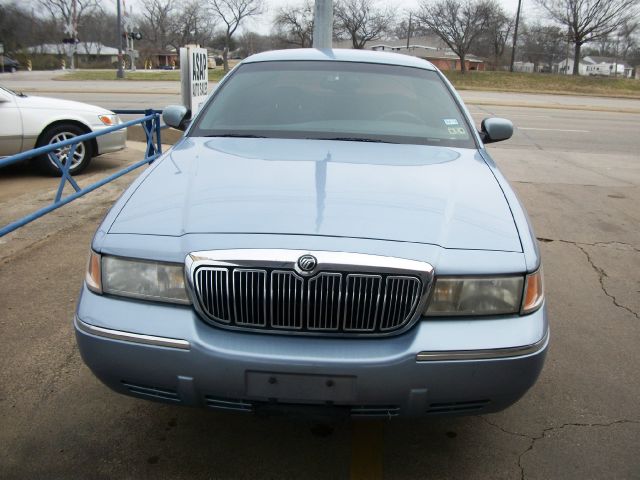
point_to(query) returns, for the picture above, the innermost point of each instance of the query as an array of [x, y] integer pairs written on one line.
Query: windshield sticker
[[450, 121], [456, 131]]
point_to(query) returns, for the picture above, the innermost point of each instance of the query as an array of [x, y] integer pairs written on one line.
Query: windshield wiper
[[236, 135], [351, 139]]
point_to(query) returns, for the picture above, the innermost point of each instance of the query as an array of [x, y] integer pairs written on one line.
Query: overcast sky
[[262, 24]]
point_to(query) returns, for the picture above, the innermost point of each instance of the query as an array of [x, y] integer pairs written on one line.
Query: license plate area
[[287, 387]]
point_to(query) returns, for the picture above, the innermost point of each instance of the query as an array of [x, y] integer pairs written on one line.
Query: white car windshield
[[338, 101]]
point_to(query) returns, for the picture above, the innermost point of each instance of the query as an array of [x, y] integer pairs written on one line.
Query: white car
[[28, 122]]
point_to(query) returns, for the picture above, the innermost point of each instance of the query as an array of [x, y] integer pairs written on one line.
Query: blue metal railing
[[151, 125]]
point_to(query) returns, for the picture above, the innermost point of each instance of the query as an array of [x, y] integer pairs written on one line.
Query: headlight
[[109, 120], [148, 280], [476, 296]]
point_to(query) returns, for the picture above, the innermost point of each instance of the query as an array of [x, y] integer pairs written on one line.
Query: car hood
[[405, 193], [46, 103]]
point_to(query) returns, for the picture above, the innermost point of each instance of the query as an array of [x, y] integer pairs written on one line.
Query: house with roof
[[593, 65], [429, 48], [607, 66], [85, 51]]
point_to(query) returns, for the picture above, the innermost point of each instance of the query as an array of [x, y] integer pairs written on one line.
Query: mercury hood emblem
[[307, 263]]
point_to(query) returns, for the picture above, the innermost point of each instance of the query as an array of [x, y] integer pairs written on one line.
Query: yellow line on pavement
[[367, 448]]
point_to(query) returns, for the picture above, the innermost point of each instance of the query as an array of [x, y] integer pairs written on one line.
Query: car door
[[10, 124]]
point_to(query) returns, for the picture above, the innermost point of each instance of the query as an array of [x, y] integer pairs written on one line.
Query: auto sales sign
[[194, 77]]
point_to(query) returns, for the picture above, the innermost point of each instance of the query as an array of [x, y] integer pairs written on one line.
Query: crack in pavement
[[601, 276], [600, 271], [595, 244], [533, 439]]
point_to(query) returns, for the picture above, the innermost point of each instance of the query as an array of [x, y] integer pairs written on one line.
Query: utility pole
[[515, 36], [409, 30], [323, 24], [74, 33], [120, 73]]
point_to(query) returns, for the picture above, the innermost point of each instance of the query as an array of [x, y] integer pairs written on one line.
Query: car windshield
[[8, 90], [335, 100]]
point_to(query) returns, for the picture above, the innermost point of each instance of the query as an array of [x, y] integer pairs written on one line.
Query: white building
[[607, 66], [84, 49], [526, 67], [595, 66]]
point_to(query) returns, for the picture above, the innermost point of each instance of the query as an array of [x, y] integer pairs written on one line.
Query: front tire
[[81, 157]]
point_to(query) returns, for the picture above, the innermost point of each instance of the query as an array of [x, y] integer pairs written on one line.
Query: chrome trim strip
[[131, 337], [488, 354]]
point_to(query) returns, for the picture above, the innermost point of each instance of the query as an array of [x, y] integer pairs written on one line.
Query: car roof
[[340, 55]]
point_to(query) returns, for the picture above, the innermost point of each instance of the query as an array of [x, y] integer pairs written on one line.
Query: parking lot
[[575, 162]]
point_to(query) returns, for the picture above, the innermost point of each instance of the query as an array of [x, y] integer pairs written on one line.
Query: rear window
[[335, 100]]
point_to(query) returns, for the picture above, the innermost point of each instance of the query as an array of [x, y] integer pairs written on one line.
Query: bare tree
[[404, 29], [492, 42], [588, 20], [189, 26], [543, 44], [628, 36], [458, 23], [499, 30], [156, 22], [232, 13], [361, 21], [295, 24], [69, 11]]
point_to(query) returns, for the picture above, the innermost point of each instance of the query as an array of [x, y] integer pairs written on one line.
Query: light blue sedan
[[330, 231]]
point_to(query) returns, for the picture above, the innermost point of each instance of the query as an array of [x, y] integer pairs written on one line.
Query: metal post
[[132, 54], [515, 36], [323, 24], [120, 73]]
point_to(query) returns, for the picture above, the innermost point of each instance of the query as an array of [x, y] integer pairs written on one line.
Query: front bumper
[[111, 142], [167, 353]]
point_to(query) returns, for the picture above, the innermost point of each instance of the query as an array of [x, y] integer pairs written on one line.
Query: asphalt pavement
[[578, 173]]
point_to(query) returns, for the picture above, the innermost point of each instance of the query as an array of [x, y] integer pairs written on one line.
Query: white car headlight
[[144, 279], [473, 296]]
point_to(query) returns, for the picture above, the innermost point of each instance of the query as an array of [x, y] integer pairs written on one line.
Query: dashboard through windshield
[[335, 100]]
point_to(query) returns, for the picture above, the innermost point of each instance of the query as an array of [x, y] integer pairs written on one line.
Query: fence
[[152, 127]]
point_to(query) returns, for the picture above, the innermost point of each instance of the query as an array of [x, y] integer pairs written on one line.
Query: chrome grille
[[361, 302], [286, 300], [323, 305], [249, 297], [402, 295], [338, 302], [213, 283], [338, 293]]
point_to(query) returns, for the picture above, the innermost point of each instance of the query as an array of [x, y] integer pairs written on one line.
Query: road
[[577, 172]]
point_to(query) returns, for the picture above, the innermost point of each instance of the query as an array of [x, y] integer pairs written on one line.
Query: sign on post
[[194, 77]]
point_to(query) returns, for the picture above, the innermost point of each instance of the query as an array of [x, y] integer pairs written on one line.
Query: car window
[[343, 100]]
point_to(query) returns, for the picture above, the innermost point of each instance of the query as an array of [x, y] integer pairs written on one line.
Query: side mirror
[[176, 116], [495, 129]]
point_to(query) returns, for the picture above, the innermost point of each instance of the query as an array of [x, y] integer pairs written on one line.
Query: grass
[[144, 75], [495, 81], [545, 83]]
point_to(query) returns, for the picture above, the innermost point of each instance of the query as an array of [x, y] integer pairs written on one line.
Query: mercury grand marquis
[[329, 231]]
